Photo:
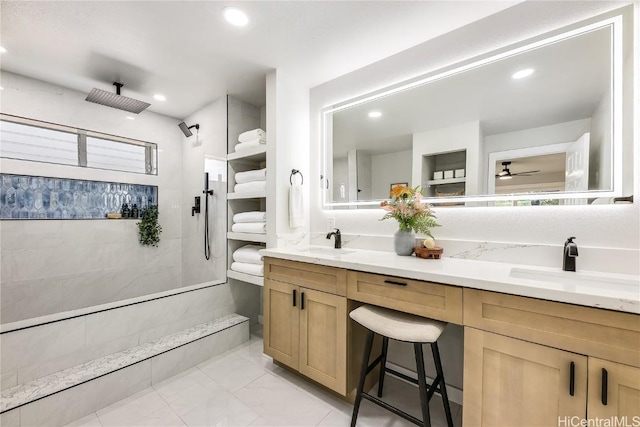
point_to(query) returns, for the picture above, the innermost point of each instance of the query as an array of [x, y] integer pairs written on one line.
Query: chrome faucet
[[338, 237], [570, 254]]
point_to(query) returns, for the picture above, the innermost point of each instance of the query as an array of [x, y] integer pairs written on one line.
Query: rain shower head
[[187, 129], [115, 100]]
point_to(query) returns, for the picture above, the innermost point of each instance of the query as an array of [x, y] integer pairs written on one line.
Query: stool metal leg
[[363, 376], [422, 385], [443, 387], [383, 363]]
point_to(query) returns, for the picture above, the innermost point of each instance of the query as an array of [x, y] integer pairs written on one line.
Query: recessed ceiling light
[[522, 73], [2, 49], [130, 118], [375, 114], [235, 16], [159, 97]]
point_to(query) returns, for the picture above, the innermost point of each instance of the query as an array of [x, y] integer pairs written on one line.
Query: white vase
[[403, 242]]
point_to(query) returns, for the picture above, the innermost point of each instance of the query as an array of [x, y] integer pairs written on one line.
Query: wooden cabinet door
[[510, 382], [323, 338], [281, 322], [618, 386]]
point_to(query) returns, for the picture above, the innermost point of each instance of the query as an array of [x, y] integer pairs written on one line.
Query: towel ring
[[293, 172]]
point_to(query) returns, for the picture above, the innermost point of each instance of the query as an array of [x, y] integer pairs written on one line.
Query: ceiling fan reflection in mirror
[[505, 173]]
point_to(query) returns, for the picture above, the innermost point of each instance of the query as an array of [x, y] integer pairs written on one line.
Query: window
[[32, 140]]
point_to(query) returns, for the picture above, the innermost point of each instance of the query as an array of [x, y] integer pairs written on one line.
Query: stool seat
[[398, 326]]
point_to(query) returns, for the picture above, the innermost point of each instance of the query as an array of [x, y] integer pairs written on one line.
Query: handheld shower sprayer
[[187, 129], [207, 193]]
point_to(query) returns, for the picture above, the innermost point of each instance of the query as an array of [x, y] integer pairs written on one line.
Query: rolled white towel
[[248, 254], [251, 134], [250, 144], [245, 267], [250, 227], [250, 186], [254, 216], [250, 176]]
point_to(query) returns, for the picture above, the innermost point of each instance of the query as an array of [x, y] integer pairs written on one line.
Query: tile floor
[[243, 387]]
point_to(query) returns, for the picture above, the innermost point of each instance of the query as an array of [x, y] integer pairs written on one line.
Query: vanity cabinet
[[305, 320], [529, 361], [614, 391], [511, 382]]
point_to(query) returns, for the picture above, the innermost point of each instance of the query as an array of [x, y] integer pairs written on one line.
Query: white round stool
[[401, 327]]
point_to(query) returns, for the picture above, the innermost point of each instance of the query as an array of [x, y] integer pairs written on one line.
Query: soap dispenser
[[135, 213], [125, 211]]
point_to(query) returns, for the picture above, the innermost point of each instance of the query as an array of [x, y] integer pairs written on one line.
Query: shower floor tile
[[243, 387]]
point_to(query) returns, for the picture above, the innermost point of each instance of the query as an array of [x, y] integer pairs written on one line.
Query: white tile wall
[[38, 351], [53, 266]]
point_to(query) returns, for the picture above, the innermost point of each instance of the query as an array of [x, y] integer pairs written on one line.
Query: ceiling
[[187, 52]]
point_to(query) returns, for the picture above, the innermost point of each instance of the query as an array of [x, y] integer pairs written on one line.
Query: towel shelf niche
[[244, 117]]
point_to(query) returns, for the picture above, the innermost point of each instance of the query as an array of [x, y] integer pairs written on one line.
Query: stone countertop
[[620, 292]]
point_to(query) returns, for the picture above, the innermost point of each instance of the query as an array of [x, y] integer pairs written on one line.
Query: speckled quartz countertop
[[618, 292]]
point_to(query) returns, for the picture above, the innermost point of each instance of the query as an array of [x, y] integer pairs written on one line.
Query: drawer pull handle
[[295, 297], [605, 385], [301, 300], [393, 282], [572, 379]]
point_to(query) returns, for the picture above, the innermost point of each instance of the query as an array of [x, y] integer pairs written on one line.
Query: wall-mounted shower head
[[115, 100], [187, 129]]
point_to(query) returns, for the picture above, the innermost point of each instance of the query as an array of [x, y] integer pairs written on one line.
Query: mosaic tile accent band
[[36, 197]]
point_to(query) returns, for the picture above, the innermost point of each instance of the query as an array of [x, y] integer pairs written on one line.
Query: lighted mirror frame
[[615, 27]]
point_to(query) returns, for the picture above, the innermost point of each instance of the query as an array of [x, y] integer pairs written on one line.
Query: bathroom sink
[[326, 251], [575, 278]]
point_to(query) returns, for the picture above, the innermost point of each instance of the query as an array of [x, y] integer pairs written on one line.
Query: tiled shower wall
[[55, 265], [37, 197]]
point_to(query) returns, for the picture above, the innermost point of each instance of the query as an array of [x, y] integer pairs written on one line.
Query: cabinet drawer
[[319, 277], [433, 300], [611, 335]]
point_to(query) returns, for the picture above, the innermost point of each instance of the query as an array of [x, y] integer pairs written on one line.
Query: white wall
[[288, 99], [384, 174], [49, 266]]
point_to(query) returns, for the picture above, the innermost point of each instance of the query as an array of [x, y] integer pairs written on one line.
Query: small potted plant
[[148, 228], [412, 214]]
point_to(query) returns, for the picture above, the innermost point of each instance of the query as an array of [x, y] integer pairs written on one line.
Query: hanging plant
[[148, 228]]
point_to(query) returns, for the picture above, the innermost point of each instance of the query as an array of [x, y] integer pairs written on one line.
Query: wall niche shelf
[[251, 154], [248, 278], [247, 237], [247, 195], [243, 117], [447, 181]]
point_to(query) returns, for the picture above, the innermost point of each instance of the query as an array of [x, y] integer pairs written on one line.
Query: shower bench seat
[[58, 382]]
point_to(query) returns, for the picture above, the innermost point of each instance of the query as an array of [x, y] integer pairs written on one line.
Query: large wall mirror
[[538, 124]]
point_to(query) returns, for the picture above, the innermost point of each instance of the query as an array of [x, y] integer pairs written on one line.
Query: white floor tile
[[90, 420], [244, 387], [233, 372], [128, 411], [281, 404], [223, 410], [165, 417]]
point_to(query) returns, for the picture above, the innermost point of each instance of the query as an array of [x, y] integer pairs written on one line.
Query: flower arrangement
[[408, 209]]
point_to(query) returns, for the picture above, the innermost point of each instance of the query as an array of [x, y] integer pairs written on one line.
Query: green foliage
[[407, 208], [148, 228]]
